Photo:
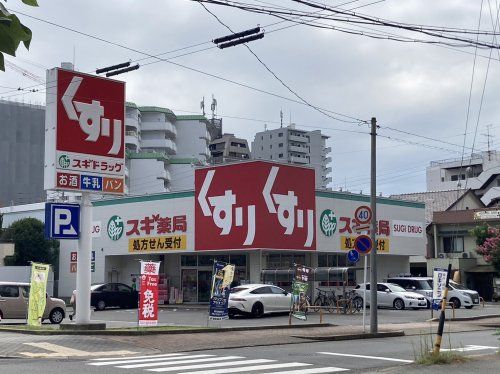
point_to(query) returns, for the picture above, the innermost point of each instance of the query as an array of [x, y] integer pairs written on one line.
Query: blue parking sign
[[62, 221]]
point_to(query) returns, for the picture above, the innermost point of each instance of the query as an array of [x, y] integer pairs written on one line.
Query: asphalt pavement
[[389, 355]]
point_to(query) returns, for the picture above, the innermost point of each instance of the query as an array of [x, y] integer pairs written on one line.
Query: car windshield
[[396, 288], [238, 289], [95, 286], [458, 286], [424, 284]]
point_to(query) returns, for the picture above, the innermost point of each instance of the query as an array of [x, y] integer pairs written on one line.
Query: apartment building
[[229, 148], [294, 146]]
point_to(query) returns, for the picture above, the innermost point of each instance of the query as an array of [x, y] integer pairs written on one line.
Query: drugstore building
[[262, 217]]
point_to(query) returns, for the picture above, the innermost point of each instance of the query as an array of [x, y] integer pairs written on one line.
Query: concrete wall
[[22, 129], [191, 141]]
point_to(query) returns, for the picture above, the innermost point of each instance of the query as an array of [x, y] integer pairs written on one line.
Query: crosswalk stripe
[[311, 371], [368, 357], [119, 362], [137, 357], [182, 360], [212, 365], [244, 369]]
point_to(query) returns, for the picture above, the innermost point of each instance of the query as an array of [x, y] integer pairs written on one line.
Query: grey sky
[[419, 88]]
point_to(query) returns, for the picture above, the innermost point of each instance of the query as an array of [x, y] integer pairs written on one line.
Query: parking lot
[[196, 315]]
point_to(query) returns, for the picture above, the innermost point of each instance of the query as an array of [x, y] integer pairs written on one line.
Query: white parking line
[[136, 357], [368, 357]]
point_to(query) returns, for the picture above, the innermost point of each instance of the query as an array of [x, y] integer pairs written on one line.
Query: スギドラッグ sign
[[84, 137]]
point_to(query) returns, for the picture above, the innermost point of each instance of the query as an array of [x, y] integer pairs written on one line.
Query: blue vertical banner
[[222, 278]]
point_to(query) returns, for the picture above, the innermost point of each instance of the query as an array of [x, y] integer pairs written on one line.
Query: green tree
[[12, 32], [488, 244], [27, 235]]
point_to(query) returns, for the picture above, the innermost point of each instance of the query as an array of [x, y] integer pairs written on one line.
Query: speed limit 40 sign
[[363, 214]]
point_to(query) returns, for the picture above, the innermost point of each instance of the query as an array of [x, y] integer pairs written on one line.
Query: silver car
[[14, 303], [258, 299]]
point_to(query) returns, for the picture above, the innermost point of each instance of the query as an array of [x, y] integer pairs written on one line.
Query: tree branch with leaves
[[13, 32]]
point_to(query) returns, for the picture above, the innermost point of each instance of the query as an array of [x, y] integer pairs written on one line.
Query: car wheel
[[258, 310], [231, 314], [456, 303], [56, 316], [399, 304], [469, 307], [100, 305]]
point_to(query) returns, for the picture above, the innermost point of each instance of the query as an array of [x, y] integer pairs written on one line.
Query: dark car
[[113, 294]]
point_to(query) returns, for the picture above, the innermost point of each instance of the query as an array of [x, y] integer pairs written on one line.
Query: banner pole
[[437, 344]]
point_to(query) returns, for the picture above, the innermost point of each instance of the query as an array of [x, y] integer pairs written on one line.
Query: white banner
[[408, 229], [439, 283]]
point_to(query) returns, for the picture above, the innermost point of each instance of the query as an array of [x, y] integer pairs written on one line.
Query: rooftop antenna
[[213, 107], [202, 105], [281, 116], [488, 137], [265, 126]]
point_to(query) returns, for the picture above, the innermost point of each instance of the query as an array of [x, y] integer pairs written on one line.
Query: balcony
[[171, 130], [327, 170], [326, 150], [154, 126], [166, 144], [300, 139], [299, 160], [297, 149], [327, 180], [131, 140], [327, 160], [132, 121]]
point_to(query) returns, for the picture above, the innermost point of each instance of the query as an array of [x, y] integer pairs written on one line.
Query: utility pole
[[373, 229]]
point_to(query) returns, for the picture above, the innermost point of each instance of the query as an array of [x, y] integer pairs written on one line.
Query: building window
[[262, 137], [271, 157], [454, 178], [462, 176], [280, 134], [262, 148], [280, 145], [453, 244], [280, 155], [270, 136], [271, 146], [442, 179]]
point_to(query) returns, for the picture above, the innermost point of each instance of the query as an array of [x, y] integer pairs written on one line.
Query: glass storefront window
[[188, 260], [238, 260]]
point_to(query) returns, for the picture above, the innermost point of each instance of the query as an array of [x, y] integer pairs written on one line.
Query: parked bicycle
[[325, 298], [352, 303]]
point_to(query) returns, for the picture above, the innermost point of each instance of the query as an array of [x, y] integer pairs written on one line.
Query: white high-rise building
[[162, 149], [479, 172], [294, 146]]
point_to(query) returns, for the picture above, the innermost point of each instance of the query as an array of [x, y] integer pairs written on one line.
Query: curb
[[160, 332], [473, 318], [386, 334]]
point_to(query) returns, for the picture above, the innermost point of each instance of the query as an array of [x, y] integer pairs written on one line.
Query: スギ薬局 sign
[[84, 138], [255, 205]]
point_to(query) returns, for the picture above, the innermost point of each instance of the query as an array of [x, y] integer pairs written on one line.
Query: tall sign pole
[[84, 154], [373, 229], [439, 336]]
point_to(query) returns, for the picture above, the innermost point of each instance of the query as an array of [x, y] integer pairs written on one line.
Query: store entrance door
[[204, 285], [189, 285]]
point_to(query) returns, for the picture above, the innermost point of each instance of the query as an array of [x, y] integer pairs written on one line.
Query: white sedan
[[392, 296], [258, 299]]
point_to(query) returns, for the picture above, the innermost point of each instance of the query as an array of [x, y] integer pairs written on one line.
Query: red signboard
[[90, 115], [85, 133], [255, 205], [148, 299]]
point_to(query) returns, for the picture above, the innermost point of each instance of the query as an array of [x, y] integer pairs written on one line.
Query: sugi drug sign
[[84, 133]]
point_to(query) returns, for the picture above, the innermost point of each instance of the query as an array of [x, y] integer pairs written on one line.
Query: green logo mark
[[115, 228], [64, 161], [328, 222]]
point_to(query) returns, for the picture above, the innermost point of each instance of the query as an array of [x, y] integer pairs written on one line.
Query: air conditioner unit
[[441, 255], [465, 255]]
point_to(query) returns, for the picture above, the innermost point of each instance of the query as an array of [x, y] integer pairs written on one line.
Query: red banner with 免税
[[148, 299]]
